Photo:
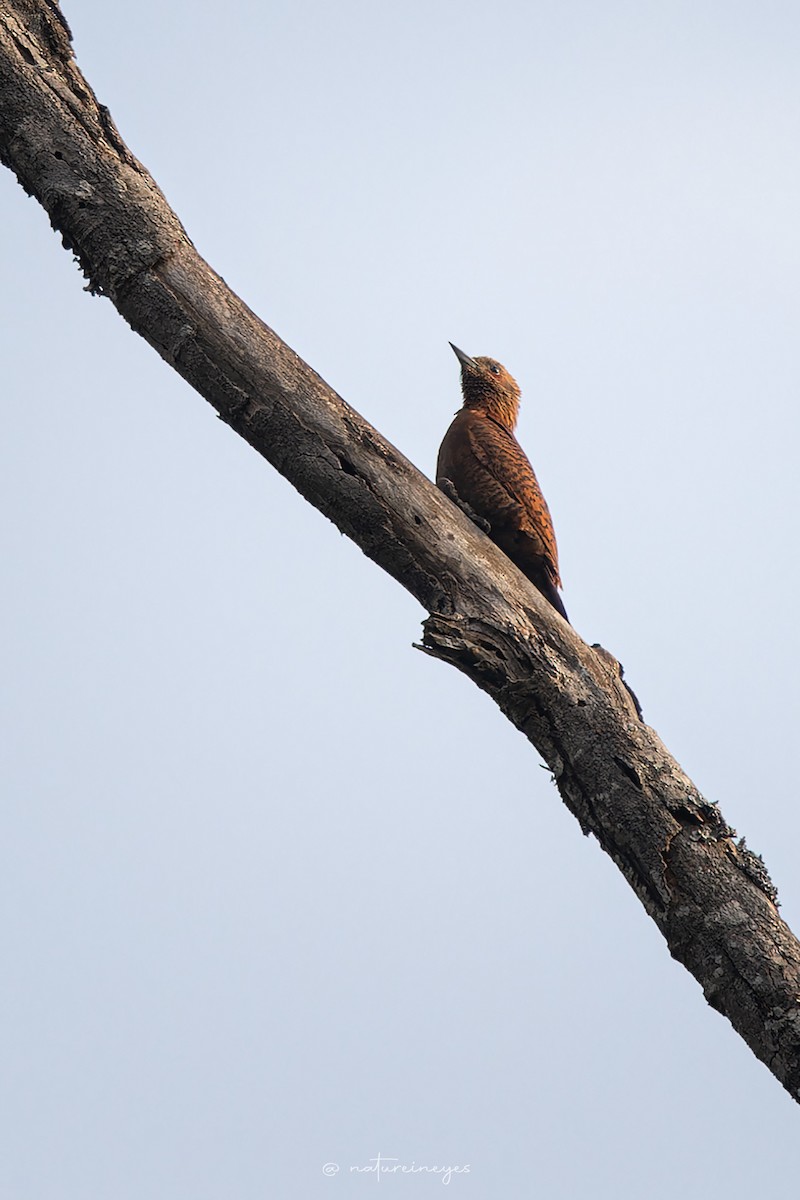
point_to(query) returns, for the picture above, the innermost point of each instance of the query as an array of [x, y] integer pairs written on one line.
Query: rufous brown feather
[[482, 465]]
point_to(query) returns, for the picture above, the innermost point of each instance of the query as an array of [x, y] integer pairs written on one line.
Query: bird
[[483, 468]]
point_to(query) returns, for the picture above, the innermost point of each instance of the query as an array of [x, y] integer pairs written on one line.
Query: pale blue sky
[[278, 890]]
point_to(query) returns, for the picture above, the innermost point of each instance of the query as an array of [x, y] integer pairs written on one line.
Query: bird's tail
[[550, 592]]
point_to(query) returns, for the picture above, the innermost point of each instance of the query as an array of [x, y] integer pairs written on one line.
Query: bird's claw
[[448, 487]]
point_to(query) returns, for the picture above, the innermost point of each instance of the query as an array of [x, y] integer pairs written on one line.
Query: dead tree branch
[[710, 897]]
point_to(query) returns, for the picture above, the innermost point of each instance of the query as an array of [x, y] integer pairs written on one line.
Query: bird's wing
[[506, 479]]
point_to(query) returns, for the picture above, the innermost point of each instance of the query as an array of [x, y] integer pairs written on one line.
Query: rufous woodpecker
[[484, 469]]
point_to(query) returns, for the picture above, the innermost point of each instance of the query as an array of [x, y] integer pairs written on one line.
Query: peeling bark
[[710, 896]]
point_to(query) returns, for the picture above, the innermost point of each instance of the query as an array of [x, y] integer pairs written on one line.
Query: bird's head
[[487, 386]]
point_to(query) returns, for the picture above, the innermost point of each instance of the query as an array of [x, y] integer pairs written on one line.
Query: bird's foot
[[448, 487]]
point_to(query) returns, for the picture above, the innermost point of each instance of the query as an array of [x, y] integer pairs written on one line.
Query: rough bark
[[711, 898]]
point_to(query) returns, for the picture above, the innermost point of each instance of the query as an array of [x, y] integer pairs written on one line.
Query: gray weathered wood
[[709, 896]]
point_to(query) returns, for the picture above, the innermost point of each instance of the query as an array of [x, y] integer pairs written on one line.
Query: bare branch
[[711, 898]]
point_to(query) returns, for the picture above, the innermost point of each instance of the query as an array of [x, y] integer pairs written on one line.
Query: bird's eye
[[494, 369]]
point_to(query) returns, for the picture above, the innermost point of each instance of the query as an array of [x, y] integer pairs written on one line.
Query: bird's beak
[[463, 358]]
